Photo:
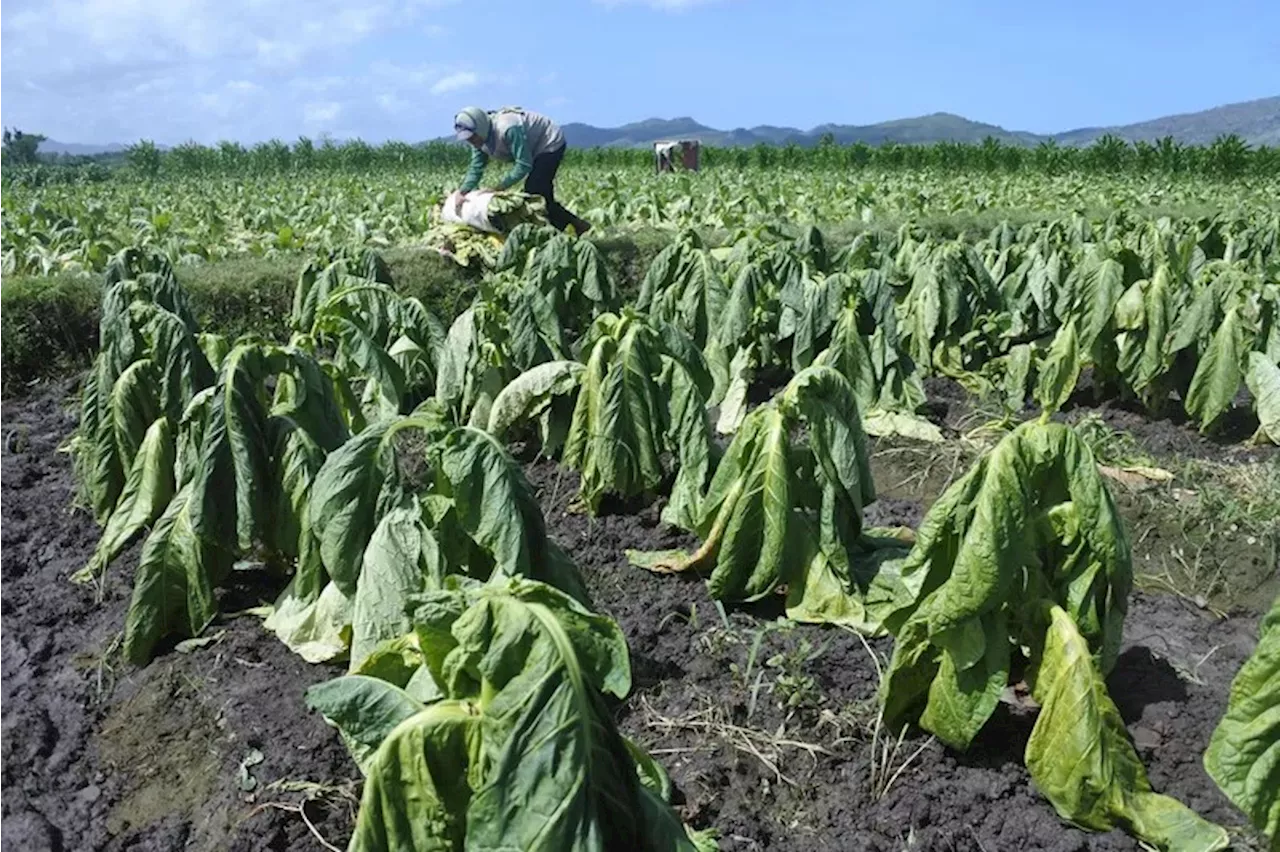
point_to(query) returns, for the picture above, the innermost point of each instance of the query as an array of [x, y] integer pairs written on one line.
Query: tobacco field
[[887, 509]]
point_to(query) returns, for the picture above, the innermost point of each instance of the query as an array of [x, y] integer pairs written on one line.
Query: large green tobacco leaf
[[1263, 381], [584, 426], [134, 406], [686, 429], [173, 586], [754, 516], [750, 292], [637, 411], [780, 516], [733, 402], [147, 492], [365, 710], [885, 381], [344, 502], [1060, 369], [296, 459], [416, 795], [178, 356], [1082, 761], [683, 286], [628, 414], [97, 461], [828, 405], [536, 334], [215, 347], [531, 393], [1195, 323], [496, 506], [402, 559], [820, 309], [230, 500], [475, 365], [1243, 757], [1221, 369], [1149, 378], [554, 734], [1100, 288], [1031, 520], [321, 279], [521, 752], [362, 355]]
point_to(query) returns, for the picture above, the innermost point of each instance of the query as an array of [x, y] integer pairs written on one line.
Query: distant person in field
[[533, 142]]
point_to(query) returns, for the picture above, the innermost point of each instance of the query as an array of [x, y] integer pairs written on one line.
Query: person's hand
[[457, 205]]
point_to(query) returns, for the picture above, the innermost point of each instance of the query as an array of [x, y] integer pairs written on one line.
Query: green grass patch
[[49, 324]]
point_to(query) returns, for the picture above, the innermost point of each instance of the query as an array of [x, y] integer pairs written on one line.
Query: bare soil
[[100, 756], [767, 729]]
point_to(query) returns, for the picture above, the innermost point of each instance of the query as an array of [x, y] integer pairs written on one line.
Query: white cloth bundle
[[475, 211]]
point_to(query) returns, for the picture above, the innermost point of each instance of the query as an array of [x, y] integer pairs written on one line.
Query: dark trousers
[[541, 181]]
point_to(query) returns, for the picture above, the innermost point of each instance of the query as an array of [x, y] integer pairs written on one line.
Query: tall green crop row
[[1228, 157]]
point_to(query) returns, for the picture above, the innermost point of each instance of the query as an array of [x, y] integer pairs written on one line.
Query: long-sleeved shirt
[[515, 136]]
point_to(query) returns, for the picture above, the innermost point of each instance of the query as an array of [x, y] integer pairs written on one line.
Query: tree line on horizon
[[1229, 156]]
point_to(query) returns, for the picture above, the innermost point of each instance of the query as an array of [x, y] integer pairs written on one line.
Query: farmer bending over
[[533, 142]]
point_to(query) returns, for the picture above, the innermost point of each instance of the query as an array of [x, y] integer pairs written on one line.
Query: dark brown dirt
[[99, 756], [766, 728]]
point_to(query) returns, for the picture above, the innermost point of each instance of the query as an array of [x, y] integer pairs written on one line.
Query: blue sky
[[171, 70]]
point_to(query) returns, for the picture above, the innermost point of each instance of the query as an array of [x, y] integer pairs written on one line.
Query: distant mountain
[[1257, 122], [929, 128], [75, 149], [638, 133]]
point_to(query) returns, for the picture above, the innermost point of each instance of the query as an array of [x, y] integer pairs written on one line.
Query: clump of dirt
[[163, 740]]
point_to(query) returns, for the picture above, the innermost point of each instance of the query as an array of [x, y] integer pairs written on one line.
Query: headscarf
[[471, 120]]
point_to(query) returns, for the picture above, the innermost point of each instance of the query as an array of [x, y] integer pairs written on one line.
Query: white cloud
[[322, 113], [278, 53], [435, 31], [204, 70], [549, 78], [318, 85], [557, 101], [455, 82], [393, 104], [232, 97]]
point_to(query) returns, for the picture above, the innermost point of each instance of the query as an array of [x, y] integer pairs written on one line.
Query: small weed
[[1244, 495], [1110, 446], [795, 688], [105, 665]]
